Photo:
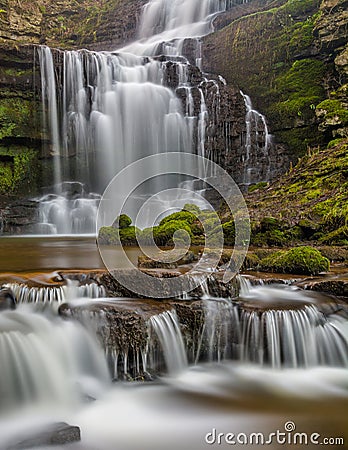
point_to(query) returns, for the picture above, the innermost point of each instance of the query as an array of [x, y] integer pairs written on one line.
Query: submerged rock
[[55, 434]]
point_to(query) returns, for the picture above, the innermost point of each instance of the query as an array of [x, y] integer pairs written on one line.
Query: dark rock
[[20, 217], [334, 287], [7, 299], [145, 262], [56, 434]]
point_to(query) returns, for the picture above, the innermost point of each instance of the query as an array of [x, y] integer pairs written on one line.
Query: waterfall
[[293, 338], [46, 361], [257, 143], [105, 110], [53, 294], [167, 329]]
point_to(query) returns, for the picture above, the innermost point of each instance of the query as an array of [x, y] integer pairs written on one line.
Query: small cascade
[[167, 329], [53, 294], [70, 210], [282, 326], [292, 338], [47, 361], [257, 145], [220, 335]]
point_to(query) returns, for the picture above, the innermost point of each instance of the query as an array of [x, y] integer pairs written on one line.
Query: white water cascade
[[257, 142], [108, 109], [284, 327], [46, 361], [167, 329], [54, 294]]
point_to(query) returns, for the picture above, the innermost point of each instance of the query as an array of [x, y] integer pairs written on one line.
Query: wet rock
[[192, 284], [20, 217], [334, 287], [7, 299], [55, 434], [158, 261]]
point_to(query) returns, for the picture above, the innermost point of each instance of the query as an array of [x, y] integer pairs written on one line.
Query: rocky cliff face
[[289, 56]]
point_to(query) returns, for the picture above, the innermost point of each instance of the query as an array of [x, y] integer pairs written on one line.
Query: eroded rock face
[[332, 29], [21, 217]]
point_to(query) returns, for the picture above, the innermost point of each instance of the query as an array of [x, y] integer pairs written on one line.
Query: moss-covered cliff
[[289, 56], [310, 201]]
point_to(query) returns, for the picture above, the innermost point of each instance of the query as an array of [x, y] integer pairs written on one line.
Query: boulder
[[55, 434]]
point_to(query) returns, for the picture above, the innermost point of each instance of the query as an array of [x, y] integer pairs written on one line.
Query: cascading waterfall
[[53, 294], [164, 351], [45, 360], [293, 338], [283, 327], [257, 143], [167, 329], [108, 109]]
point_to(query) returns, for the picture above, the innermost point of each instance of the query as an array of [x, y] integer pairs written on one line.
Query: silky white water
[[279, 372], [109, 109]]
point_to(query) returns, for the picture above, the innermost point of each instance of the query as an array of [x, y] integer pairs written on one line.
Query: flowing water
[[106, 110], [257, 144], [285, 361]]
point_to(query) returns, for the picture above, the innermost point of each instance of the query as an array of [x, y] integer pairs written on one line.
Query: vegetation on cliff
[[286, 63], [310, 201]]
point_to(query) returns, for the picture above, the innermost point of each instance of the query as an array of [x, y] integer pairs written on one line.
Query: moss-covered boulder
[[115, 236], [122, 221], [298, 260]]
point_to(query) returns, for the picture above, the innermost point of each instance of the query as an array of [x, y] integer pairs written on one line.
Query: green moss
[[335, 142], [16, 117], [299, 260], [18, 171], [229, 231], [336, 237], [255, 187], [187, 216], [115, 236], [163, 234], [300, 90], [191, 208], [108, 236], [122, 221]]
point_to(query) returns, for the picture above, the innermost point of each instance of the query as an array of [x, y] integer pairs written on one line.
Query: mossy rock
[[337, 237], [272, 238], [115, 236], [163, 234], [122, 221], [18, 169], [189, 207], [186, 216], [270, 224], [298, 260]]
